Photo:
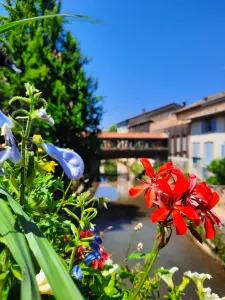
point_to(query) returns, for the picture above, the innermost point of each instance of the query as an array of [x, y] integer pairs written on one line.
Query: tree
[[50, 59], [217, 167], [113, 128]]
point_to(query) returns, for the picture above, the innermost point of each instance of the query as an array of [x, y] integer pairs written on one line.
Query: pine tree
[[50, 59]]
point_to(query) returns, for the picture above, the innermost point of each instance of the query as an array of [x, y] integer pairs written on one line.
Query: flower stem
[[148, 267], [64, 197], [72, 257], [130, 243], [23, 156]]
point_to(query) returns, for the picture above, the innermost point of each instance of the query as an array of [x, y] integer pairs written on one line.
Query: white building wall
[[217, 139]]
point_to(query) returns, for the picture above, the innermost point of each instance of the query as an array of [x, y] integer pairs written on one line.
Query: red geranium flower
[[171, 201], [99, 264], [86, 234], [151, 187], [208, 200]]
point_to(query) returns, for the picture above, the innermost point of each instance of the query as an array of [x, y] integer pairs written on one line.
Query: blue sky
[[149, 53]]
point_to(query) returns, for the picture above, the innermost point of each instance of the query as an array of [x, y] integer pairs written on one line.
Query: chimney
[[184, 103], [143, 110]]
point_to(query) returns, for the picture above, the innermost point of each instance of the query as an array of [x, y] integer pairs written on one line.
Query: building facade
[[206, 140]]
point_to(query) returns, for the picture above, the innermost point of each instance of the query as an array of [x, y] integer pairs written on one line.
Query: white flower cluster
[[139, 246], [209, 296], [138, 226], [172, 270], [197, 276]]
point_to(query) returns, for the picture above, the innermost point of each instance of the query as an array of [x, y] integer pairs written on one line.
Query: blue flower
[[14, 68], [12, 153], [4, 119], [95, 246], [42, 114], [97, 239], [92, 257], [77, 273], [70, 161]]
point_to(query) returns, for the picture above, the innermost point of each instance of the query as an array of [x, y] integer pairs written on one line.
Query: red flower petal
[[100, 265], [160, 214], [188, 211], [217, 220], [181, 186], [137, 190], [192, 181], [179, 223], [165, 187], [214, 200], [148, 167], [202, 192], [150, 196], [166, 167], [95, 264], [209, 228]]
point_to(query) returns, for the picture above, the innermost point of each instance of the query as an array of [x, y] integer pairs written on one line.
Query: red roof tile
[[131, 135]]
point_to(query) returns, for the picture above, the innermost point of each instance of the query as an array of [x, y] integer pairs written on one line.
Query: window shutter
[[214, 125], [203, 126], [223, 150]]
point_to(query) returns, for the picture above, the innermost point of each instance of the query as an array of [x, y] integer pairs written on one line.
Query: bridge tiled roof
[[131, 135]]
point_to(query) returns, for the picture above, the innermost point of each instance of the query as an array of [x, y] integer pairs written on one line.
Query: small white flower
[[197, 276], [139, 246], [108, 262], [43, 285], [138, 226]]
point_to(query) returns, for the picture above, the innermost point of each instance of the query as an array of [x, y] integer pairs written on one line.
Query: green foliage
[[110, 167], [137, 168], [50, 58], [217, 167], [113, 128]]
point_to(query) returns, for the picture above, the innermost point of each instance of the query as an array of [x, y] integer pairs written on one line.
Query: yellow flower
[[40, 151], [37, 137], [43, 285], [49, 166]]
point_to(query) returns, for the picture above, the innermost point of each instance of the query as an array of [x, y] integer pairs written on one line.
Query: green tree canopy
[[50, 59], [113, 128]]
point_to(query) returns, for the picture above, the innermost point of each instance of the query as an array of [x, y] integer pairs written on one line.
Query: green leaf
[[138, 255], [31, 173], [3, 277], [72, 214], [16, 243], [16, 272], [9, 26], [59, 279]]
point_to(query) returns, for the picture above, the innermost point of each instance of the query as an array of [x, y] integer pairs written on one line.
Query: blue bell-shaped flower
[[12, 153], [77, 273], [70, 161], [92, 257], [42, 114], [4, 119]]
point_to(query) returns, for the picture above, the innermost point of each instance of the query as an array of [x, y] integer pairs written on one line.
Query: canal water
[[124, 213]]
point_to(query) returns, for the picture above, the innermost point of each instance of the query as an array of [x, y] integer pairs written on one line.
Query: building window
[[208, 153], [209, 125], [223, 150], [184, 144], [178, 144], [172, 146], [196, 149]]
